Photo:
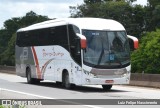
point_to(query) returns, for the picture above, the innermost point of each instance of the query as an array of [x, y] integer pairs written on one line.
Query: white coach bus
[[75, 51]]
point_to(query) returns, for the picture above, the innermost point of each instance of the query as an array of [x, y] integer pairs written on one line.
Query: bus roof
[[82, 23]]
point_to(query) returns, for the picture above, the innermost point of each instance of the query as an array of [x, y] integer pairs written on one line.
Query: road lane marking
[[27, 93], [44, 97]]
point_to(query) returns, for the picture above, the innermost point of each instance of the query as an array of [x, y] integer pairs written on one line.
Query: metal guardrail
[[137, 79]]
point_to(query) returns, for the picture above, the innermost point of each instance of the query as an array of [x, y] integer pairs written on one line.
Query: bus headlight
[[126, 74], [89, 74]]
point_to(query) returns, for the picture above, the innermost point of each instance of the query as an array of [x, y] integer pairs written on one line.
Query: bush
[[147, 57]]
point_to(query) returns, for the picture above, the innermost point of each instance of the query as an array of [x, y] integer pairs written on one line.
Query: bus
[[75, 51]]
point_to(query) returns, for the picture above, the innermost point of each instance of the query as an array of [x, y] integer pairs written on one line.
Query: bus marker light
[[83, 43]]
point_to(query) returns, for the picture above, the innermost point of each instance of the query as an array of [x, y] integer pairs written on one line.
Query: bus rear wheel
[[31, 80], [107, 87]]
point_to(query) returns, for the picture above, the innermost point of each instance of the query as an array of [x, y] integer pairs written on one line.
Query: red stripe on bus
[[37, 63]]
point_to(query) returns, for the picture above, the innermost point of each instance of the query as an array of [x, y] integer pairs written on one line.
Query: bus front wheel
[[66, 81], [107, 87]]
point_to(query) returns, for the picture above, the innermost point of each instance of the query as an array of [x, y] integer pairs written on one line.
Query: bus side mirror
[[133, 42], [83, 41]]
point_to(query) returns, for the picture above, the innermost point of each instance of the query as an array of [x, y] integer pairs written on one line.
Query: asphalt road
[[12, 86]]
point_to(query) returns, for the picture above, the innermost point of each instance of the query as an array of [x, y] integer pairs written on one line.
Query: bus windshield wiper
[[102, 52]]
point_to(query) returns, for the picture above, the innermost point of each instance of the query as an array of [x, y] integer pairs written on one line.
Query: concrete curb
[[7, 69], [146, 80]]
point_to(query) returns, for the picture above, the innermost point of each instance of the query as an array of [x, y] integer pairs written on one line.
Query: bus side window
[[58, 35], [52, 30], [52, 34], [75, 49], [18, 39], [78, 48], [76, 29], [26, 39]]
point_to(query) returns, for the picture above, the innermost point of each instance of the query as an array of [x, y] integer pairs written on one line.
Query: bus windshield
[[106, 49]]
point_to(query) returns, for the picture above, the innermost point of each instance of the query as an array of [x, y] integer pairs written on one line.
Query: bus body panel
[[54, 59], [24, 59], [49, 63]]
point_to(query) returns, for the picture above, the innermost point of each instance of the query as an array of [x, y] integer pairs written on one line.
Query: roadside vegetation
[[8, 35], [140, 21]]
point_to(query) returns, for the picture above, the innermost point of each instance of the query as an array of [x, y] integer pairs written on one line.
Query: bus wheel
[[29, 78], [58, 83], [36, 81], [106, 87], [66, 81]]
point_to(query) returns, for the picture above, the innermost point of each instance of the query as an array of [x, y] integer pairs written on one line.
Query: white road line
[[27, 93], [91, 106], [44, 97]]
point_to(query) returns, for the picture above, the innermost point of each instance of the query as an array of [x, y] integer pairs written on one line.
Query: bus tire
[[36, 81], [66, 81], [30, 80], [58, 83], [107, 87]]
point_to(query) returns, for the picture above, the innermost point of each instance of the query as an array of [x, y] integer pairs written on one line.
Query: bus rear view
[[96, 52]]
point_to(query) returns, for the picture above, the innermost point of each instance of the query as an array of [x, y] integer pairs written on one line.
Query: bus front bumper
[[106, 81]]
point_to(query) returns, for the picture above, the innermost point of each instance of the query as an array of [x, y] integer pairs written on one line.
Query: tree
[[152, 17], [4, 37], [32, 18], [132, 17], [8, 34], [97, 1], [153, 3], [156, 17], [146, 58], [11, 25], [8, 57], [137, 24]]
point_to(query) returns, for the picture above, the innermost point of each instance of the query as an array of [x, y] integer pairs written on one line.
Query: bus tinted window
[[42, 37], [74, 43]]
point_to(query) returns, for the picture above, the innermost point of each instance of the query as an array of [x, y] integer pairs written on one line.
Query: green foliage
[[146, 58], [156, 16], [153, 3], [136, 19], [132, 17], [7, 57], [32, 18], [2, 106], [8, 35], [4, 37]]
